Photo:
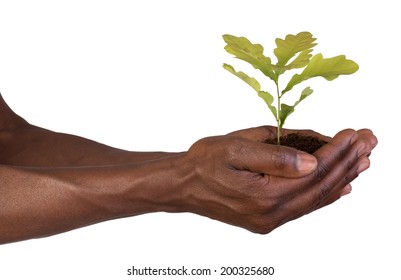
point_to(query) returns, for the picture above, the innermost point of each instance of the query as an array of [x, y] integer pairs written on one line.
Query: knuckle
[[348, 179], [200, 146], [322, 171], [324, 192], [324, 183]]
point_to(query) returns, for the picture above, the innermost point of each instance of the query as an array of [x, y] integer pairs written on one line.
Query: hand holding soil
[[239, 180], [53, 182]]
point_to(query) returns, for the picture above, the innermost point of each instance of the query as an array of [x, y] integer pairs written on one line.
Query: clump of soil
[[302, 142]]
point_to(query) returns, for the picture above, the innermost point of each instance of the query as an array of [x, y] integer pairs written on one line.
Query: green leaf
[[268, 98], [304, 94], [243, 49], [287, 110], [293, 44], [300, 61], [249, 80], [328, 68]]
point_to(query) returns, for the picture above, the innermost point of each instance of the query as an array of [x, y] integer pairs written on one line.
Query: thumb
[[273, 160]]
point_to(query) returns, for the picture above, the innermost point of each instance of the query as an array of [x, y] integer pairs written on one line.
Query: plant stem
[[278, 114]]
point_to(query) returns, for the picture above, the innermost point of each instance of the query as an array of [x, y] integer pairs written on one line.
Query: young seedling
[[293, 52]]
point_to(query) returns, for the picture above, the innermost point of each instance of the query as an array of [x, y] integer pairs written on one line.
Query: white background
[[147, 75]]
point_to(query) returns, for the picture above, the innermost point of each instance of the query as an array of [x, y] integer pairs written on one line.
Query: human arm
[[37, 202], [233, 178], [35, 146], [24, 144]]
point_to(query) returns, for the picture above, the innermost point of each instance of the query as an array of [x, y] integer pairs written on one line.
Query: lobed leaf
[[328, 68], [304, 94], [301, 60], [268, 98], [287, 110], [292, 44], [249, 80], [243, 49]]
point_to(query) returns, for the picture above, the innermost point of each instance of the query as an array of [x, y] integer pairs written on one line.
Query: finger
[[369, 139], [305, 195], [367, 131], [271, 160], [346, 190], [330, 200], [335, 149], [327, 157], [363, 147], [337, 166], [329, 188], [341, 189], [352, 165], [342, 165]]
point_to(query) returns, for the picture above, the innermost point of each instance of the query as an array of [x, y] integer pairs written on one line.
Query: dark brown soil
[[301, 142]]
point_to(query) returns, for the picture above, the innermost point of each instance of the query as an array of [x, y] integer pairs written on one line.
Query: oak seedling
[[293, 52]]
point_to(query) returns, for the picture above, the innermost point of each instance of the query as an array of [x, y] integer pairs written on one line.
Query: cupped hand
[[239, 180]]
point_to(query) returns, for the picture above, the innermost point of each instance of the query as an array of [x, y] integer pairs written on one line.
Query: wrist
[[154, 186]]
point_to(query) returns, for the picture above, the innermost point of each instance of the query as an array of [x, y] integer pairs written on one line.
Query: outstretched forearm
[[235, 179], [38, 147], [38, 202]]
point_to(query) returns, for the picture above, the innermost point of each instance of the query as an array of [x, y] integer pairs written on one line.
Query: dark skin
[[52, 182]]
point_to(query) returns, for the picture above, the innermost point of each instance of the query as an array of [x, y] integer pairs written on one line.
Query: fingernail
[[306, 162]]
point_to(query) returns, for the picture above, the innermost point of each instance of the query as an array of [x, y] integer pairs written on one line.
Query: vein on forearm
[[36, 202]]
